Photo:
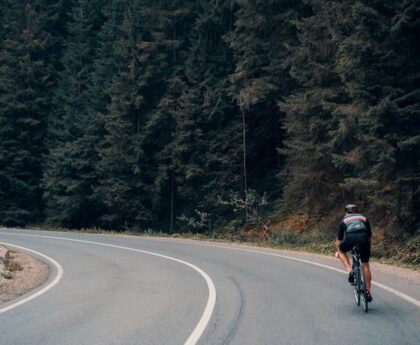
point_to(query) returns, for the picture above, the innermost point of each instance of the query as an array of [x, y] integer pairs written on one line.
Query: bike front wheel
[[356, 295], [356, 287], [364, 294]]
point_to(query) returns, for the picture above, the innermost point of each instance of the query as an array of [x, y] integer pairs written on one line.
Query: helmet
[[350, 208]]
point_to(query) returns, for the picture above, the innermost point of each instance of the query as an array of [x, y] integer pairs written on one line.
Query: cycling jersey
[[355, 229], [353, 222]]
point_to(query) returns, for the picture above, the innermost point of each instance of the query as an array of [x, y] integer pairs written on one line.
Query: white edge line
[[395, 292], [398, 293], [380, 285], [44, 289], [211, 302]]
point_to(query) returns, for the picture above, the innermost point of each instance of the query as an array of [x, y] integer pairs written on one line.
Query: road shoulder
[[28, 273]]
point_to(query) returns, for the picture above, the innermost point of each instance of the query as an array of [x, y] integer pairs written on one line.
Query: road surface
[[123, 290]]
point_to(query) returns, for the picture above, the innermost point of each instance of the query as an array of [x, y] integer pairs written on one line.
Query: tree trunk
[[171, 219], [244, 165]]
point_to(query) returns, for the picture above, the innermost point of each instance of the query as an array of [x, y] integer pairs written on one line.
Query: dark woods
[[205, 115]]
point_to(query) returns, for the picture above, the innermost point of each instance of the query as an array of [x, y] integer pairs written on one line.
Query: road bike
[[359, 285]]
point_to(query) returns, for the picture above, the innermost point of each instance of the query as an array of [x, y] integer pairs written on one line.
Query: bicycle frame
[[360, 291]]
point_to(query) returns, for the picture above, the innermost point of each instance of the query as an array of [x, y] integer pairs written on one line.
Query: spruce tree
[[406, 129], [263, 31], [121, 165], [207, 136], [74, 131], [311, 178], [167, 48], [27, 75], [348, 121], [376, 63]]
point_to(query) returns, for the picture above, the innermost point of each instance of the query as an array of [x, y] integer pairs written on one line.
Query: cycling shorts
[[357, 238]]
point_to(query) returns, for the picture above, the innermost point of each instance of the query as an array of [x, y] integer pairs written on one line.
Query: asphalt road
[[110, 295]]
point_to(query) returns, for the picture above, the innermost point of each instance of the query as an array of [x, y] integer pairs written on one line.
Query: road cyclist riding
[[354, 233]]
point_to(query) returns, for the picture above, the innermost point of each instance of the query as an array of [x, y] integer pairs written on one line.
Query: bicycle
[[359, 285]]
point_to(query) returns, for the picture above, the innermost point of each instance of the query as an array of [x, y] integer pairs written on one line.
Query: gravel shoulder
[[33, 273]]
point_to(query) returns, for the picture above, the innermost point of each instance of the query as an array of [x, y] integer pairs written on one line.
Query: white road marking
[[380, 285], [43, 290], [211, 302], [398, 293], [206, 316]]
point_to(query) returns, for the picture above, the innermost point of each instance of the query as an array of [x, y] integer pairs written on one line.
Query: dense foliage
[[208, 115]]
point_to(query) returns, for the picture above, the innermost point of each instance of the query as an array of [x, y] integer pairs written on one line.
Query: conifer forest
[[209, 116]]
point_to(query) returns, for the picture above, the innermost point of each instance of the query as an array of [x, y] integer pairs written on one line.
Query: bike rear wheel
[[356, 287], [356, 295], [364, 293]]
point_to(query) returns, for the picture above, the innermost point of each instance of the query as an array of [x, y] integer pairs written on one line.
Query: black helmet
[[350, 208]]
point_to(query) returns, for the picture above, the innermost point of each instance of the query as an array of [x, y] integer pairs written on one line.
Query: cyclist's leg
[[365, 256], [344, 247], [345, 260], [368, 275]]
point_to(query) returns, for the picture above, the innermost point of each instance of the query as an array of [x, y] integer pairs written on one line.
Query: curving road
[[121, 290]]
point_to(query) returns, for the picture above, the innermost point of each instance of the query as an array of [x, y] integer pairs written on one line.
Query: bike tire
[[365, 303], [356, 295], [356, 287]]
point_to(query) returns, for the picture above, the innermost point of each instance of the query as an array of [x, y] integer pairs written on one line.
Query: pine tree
[[27, 74], [364, 64], [74, 130], [390, 133], [168, 46], [406, 129], [106, 64], [122, 165], [348, 122], [377, 67], [312, 179], [208, 164], [263, 31]]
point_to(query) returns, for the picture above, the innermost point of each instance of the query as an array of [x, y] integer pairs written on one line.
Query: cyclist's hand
[[337, 254]]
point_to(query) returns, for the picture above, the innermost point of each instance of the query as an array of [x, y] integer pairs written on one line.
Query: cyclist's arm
[[340, 234], [369, 230]]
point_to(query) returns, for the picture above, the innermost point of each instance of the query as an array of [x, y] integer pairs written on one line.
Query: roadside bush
[[288, 237]]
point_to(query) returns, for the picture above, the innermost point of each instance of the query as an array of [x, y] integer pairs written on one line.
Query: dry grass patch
[[11, 266]]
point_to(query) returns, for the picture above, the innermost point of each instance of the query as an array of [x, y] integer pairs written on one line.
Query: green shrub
[[288, 237]]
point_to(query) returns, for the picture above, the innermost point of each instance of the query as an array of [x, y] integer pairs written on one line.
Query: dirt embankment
[[20, 274]]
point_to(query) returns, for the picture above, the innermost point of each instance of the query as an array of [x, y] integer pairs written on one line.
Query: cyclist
[[354, 228]]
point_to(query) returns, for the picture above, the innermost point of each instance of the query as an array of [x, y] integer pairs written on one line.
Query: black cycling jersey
[[355, 229], [348, 221]]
